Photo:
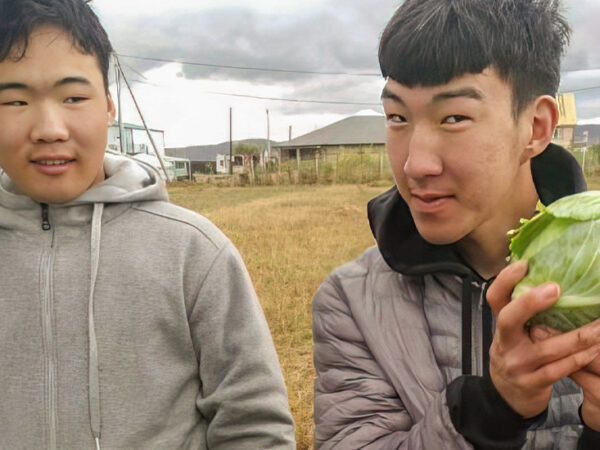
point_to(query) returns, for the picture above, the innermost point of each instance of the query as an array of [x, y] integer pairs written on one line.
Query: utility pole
[[162, 164], [120, 119], [230, 141], [290, 134], [268, 135]]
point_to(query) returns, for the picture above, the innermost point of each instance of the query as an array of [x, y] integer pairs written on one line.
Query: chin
[[440, 236]]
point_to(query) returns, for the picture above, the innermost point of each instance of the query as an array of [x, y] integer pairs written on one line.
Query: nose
[[424, 158], [49, 125]]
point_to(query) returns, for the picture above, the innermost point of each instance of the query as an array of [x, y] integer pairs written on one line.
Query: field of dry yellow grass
[[291, 237]]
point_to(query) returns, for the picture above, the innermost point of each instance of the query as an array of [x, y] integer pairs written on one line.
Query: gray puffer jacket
[[402, 336]]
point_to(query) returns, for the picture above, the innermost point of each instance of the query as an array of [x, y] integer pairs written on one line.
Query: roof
[[135, 127], [353, 130], [207, 153]]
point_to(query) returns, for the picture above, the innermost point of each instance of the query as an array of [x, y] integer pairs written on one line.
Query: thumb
[[498, 295]]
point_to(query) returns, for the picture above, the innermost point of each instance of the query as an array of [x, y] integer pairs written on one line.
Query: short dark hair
[[19, 18], [430, 42]]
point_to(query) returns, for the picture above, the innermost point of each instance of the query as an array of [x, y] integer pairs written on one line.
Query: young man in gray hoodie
[[405, 348], [125, 321]]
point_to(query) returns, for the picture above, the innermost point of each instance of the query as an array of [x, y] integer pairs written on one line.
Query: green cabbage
[[562, 244]]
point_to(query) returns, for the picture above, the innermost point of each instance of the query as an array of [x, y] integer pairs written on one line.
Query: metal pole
[[118, 81], [230, 141], [268, 136], [162, 164]]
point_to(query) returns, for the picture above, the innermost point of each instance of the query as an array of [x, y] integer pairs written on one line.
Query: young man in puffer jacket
[[125, 321], [408, 352]]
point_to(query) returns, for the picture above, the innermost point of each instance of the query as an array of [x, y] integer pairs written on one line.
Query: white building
[[136, 144]]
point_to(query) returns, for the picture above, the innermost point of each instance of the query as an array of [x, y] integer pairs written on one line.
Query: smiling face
[[54, 115], [459, 157]]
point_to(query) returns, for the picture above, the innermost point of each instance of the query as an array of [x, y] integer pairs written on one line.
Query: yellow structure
[[567, 119]]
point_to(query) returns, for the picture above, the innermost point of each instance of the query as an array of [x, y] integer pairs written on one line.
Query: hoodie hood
[[127, 181], [555, 172]]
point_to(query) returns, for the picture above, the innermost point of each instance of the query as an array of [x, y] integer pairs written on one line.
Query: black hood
[[556, 173]]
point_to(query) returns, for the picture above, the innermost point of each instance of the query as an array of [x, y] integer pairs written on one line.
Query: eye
[[75, 99], [395, 119], [15, 103], [456, 118]]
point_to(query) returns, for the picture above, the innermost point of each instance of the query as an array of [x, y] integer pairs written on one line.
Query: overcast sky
[[191, 102]]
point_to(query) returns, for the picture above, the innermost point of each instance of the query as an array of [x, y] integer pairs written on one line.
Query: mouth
[[52, 162], [52, 166], [429, 197], [430, 202]]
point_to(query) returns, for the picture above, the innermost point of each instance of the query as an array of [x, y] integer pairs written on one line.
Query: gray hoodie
[[129, 322]]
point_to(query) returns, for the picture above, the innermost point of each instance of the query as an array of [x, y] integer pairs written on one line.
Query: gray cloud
[[331, 38], [328, 39]]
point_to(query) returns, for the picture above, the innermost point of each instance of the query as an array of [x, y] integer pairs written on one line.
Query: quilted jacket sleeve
[[355, 404]]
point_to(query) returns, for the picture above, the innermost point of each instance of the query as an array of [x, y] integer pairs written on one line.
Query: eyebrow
[[6, 86], [468, 92], [69, 80], [59, 83], [387, 94]]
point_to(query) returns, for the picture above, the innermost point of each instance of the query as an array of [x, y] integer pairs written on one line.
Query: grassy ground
[[291, 237]]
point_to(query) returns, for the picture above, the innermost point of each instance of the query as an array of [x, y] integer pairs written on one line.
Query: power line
[[269, 69], [279, 99], [259, 69], [146, 81], [591, 88]]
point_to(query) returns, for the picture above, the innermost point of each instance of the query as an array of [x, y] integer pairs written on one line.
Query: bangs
[[438, 49]]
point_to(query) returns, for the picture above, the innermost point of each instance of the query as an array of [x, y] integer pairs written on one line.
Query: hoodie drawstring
[[94, 381]]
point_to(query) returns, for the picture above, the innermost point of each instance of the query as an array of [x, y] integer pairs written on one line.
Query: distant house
[[587, 133], [136, 143], [204, 158], [564, 134], [364, 130], [223, 163]]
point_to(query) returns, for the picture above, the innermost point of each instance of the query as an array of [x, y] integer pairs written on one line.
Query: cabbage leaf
[[562, 244]]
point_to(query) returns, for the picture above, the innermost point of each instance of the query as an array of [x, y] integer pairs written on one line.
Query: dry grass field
[[291, 237]]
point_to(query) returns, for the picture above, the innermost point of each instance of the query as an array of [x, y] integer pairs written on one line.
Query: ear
[[543, 117], [111, 110]]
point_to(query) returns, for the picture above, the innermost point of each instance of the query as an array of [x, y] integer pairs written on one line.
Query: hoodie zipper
[[45, 218], [46, 270]]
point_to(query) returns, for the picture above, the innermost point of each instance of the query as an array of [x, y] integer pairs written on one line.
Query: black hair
[[430, 42], [19, 18]]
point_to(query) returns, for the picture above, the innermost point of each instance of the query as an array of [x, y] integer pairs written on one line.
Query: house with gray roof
[[362, 131]]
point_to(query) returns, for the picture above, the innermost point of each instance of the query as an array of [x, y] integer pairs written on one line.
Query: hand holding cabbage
[[562, 244]]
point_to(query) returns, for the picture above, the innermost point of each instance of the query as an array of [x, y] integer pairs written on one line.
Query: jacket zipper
[[477, 347], [47, 268]]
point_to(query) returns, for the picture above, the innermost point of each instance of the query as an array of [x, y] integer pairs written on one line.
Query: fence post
[[362, 167], [335, 169], [317, 164]]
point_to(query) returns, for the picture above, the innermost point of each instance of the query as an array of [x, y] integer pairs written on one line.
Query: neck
[[486, 249]]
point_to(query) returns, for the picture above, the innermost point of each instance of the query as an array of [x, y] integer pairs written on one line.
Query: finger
[[513, 316], [586, 380], [551, 373], [594, 367], [542, 332], [498, 295], [565, 344]]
